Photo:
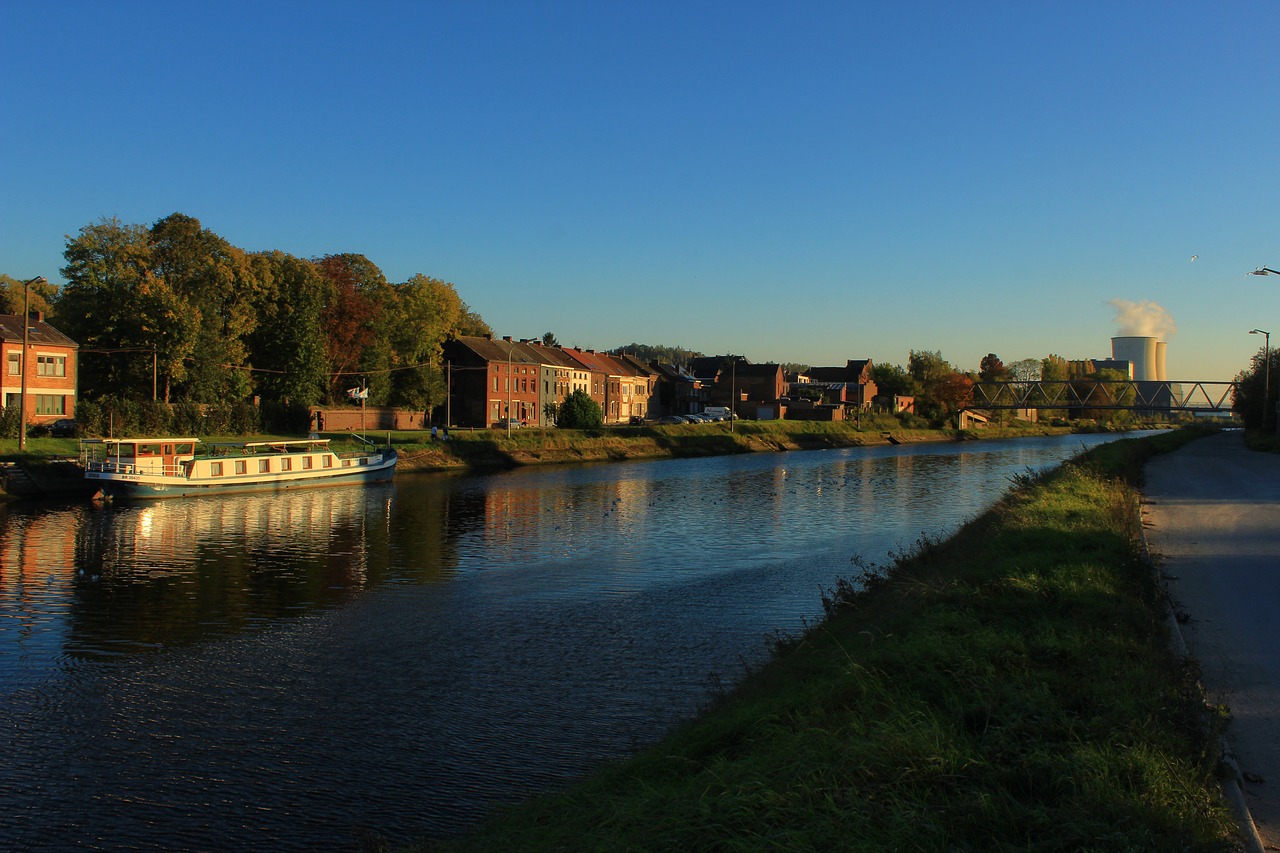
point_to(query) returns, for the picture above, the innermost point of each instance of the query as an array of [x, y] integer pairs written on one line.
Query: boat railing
[[111, 466]]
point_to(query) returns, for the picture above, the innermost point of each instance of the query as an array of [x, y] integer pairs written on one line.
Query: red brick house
[[53, 363]]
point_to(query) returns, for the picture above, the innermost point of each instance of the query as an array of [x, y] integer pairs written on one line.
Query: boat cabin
[[140, 455]]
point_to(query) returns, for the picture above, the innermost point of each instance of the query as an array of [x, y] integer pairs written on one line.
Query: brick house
[[54, 359], [853, 385], [491, 380]]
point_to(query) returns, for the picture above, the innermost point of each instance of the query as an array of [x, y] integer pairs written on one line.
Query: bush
[[579, 411]]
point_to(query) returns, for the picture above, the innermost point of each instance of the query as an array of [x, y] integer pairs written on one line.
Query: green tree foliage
[[424, 312], [549, 339], [202, 312], [41, 296], [1256, 391], [288, 343], [657, 352], [110, 282], [225, 324], [893, 380], [925, 367], [579, 411]]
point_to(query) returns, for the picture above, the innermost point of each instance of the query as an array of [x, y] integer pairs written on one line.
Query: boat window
[[148, 450], [184, 449], [264, 466], [286, 464], [215, 469], [328, 461], [307, 462], [241, 466]]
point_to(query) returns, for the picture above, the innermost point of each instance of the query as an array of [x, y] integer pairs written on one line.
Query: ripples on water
[[292, 671]]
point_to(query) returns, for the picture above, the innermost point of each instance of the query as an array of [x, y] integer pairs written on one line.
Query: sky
[[794, 182]]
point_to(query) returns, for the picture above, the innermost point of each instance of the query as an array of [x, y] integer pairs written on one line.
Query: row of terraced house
[[491, 381]]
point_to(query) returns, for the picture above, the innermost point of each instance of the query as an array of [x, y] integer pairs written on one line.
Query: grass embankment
[[1008, 689], [495, 448]]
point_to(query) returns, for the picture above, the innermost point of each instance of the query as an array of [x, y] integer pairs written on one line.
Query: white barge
[[178, 467]]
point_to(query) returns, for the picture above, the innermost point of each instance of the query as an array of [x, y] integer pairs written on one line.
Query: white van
[[720, 413]]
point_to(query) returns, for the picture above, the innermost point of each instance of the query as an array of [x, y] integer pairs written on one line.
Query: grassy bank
[[495, 448], [1008, 689]]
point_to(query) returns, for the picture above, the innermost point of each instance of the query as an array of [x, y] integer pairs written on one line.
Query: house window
[[50, 404], [51, 365], [15, 364]]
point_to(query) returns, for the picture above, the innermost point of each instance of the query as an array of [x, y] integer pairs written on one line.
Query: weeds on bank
[[1010, 688]]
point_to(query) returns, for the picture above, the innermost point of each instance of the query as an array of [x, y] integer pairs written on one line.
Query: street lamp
[[1263, 271], [1266, 374], [25, 363]]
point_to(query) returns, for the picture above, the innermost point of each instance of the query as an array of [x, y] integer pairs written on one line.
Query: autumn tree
[[953, 392], [992, 369], [925, 367], [349, 316]]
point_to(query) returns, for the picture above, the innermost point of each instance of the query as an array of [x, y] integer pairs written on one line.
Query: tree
[[288, 345], [348, 316], [579, 411], [892, 380], [1025, 370], [1251, 396], [209, 283], [109, 277], [549, 340], [953, 392], [992, 369], [41, 298], [423, 313], [925, 367]]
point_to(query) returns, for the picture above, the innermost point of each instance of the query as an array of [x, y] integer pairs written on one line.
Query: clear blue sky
[[802, 182]]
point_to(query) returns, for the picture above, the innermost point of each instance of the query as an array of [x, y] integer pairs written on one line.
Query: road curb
[[1233, 783]]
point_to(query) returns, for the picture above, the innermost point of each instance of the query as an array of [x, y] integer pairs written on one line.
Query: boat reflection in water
[[140, 576]]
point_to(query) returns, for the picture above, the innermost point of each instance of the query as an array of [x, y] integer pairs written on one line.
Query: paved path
[[1213, 521]]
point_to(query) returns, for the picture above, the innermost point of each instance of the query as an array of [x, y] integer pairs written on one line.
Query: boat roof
[[281, 442], [164, 440]]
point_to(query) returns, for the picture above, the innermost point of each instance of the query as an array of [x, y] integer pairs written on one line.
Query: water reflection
[[285, 671]]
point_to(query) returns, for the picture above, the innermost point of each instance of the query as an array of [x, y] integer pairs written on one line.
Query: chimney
[[507, 338]]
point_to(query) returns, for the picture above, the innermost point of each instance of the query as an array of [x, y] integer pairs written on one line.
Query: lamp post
[[1263, 271], [25, 362], [1266, 373]]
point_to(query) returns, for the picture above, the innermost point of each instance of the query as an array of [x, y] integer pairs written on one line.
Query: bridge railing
[[1132, 395]]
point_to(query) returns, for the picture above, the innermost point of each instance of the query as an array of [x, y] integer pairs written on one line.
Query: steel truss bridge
[[1130, 395]]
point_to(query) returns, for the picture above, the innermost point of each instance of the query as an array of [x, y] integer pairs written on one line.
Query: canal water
[[310, 670]]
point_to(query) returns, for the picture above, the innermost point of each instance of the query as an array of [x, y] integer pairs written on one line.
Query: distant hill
[[654, 352]]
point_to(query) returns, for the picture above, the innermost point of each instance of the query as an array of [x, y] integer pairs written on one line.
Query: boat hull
[[143, 486]]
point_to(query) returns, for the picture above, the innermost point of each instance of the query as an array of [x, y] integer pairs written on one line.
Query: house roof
[[40, 332]]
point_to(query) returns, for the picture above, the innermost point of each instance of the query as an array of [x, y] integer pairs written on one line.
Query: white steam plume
[[1143, 320]]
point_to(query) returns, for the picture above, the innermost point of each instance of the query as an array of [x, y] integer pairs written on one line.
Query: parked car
[[672, 419], [64, 428]]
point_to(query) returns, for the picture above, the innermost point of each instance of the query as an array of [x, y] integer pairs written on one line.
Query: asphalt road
[[1213, 521]]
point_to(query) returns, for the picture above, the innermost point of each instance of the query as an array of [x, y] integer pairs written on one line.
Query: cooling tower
[[1141, 353], [1161, 351]]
